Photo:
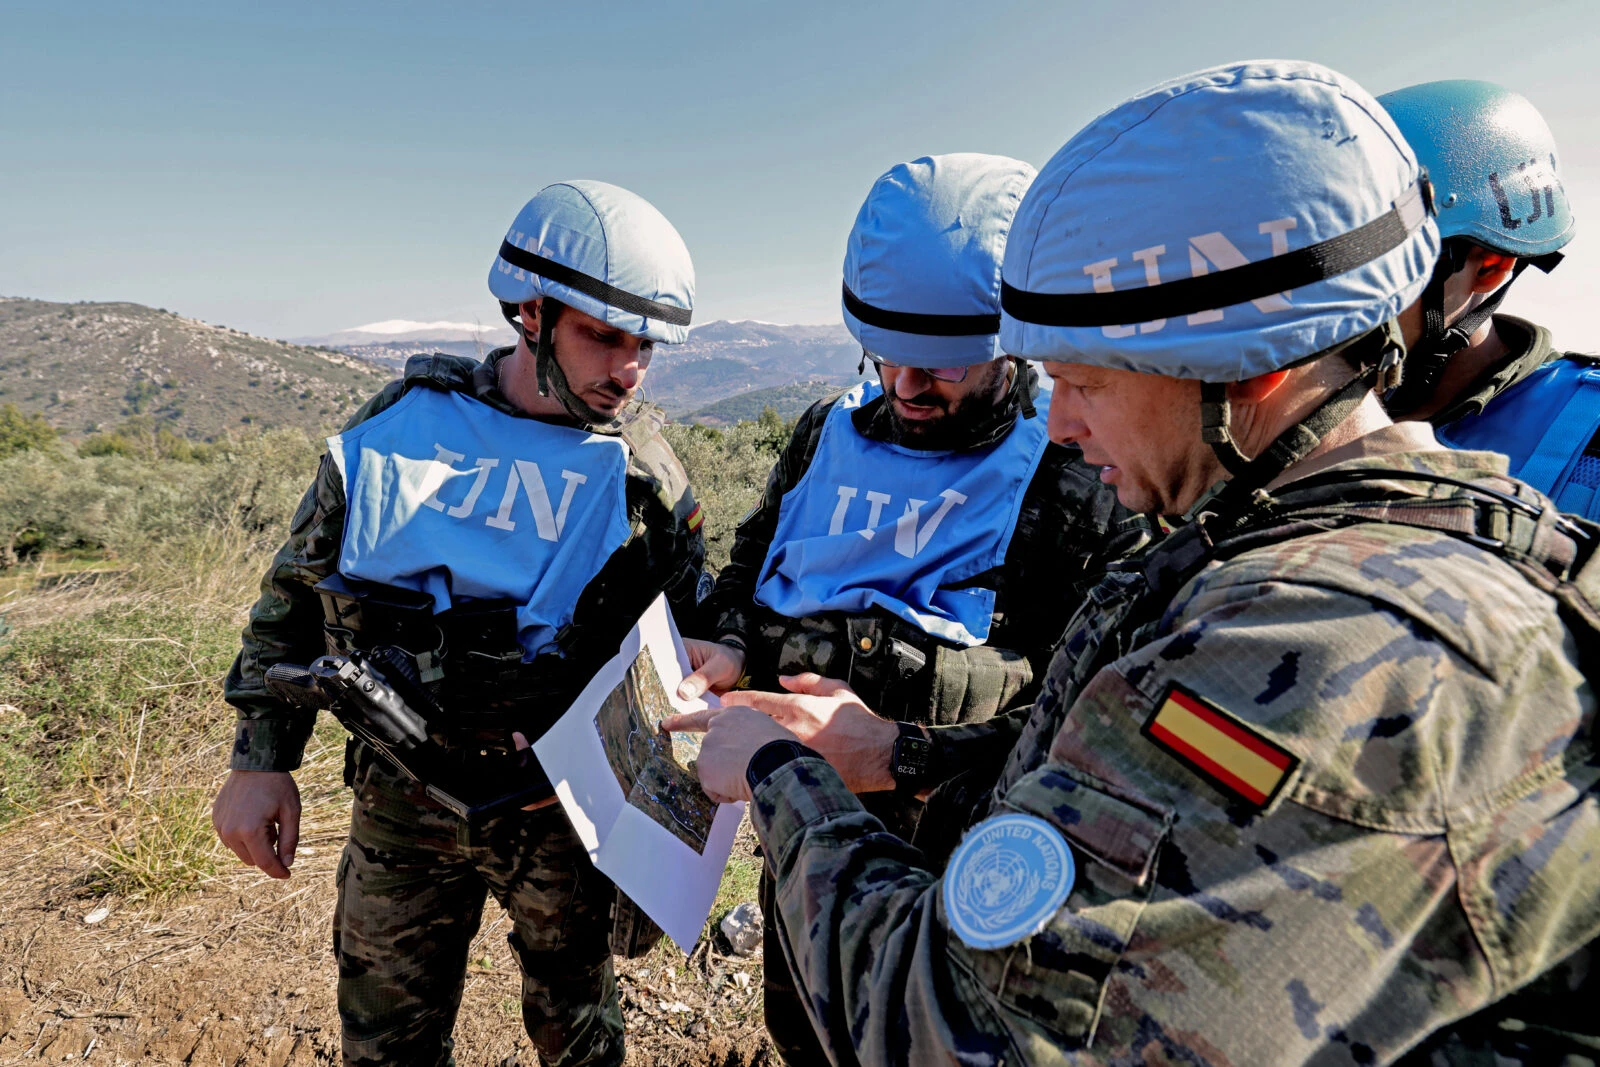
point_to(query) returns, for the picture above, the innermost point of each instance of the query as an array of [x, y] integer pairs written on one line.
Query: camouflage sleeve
[[1366, 832], [285, 624], [728, 608]]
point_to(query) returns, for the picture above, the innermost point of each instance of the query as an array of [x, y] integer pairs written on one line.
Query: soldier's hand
[[825, 714], [257, 815], [733, 735], [717, 667]]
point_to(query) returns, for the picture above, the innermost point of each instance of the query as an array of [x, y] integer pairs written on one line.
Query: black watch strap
[[770, 756], [911, 761]]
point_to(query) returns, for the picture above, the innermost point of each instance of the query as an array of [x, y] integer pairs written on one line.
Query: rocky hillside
[[88, 367], [724, 359]]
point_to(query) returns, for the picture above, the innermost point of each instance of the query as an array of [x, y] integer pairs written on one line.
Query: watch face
[[911, 757]]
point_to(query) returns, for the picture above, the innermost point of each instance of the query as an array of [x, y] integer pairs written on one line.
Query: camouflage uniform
[[1431, 846], [1551, 1018], [413, 878], [1069, 525]]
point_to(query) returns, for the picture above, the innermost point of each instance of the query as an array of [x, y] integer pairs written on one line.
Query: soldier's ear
[[529, 310], [1255, 390], [1490, 270]]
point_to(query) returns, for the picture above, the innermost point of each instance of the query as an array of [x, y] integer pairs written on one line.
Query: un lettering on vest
[[523, 475], [909, 538], [457, 499], [1206, 251]]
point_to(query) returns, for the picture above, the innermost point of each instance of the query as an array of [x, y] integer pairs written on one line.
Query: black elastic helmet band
[[589, 286], [1225, 288], [927, 325]]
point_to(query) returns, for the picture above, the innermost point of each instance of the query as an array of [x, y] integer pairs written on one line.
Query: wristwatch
[[911, 760]]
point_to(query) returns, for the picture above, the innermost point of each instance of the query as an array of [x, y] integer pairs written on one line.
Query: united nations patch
[[1007, 879]]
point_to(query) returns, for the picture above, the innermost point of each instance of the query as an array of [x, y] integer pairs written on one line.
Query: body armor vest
[[451, 497], [1548, 425], [874, 526]]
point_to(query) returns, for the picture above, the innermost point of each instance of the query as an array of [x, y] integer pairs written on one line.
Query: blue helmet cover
[[611, 235], [1208, 172], [1492, 161], [928, 240]]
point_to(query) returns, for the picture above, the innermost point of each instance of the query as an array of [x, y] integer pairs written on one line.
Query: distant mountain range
[[89, 367], [720, 360], [394, 341]]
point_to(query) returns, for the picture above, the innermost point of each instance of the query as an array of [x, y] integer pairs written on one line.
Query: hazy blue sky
[[295, 169]]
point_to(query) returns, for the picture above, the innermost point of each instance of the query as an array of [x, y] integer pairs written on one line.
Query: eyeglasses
[[943, 374]]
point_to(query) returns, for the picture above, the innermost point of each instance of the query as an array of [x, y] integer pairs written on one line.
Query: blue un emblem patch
[[1007, 879]]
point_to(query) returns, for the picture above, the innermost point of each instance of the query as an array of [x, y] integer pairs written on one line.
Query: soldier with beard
[[1312, 778], [920, 539]]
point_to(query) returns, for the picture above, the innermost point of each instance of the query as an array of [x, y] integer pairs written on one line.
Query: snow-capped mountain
[[720, 359]]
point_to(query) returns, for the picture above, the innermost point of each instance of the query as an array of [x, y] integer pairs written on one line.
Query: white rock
[[98, 915], [742, 928]]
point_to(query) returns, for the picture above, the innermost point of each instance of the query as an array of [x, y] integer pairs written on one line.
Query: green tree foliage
[[142, 437], [20, 432], [728, 469]]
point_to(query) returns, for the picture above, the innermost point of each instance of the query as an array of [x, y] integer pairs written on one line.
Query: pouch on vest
[[893, 666]]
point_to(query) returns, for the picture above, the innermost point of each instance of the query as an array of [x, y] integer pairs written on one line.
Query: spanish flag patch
[[695, 519], [1219, 747]]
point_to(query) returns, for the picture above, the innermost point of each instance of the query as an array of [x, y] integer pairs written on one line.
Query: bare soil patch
[[240, 973]]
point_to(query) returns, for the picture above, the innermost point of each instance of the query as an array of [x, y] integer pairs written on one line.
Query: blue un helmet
[[604, 251], [922, 263], [1496, 182], [1224, 225]]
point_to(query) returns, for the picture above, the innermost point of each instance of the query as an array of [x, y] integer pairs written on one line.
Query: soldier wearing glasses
[[920, 539]]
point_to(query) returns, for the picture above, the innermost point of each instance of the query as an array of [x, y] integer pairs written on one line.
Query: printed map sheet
[[631, 792]]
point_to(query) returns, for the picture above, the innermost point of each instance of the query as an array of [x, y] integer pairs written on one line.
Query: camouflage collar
[[486, 387], [1531, 348], [874, 421]]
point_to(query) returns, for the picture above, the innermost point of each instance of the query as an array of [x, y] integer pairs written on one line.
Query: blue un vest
[[874, 525], [449, 496], [1544, 424]]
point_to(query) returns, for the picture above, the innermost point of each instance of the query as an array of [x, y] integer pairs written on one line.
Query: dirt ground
[[240, 972]]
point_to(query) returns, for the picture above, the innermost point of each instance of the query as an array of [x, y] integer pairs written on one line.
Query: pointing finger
[[690, 722]]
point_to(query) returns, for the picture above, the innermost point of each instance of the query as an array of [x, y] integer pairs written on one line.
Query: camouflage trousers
[[412, 884]]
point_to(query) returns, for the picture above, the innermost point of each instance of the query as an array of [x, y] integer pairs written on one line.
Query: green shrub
[[22, 433], [125, 502], [727, 470]]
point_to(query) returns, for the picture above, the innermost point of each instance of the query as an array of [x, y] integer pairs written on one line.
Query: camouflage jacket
[[1424, 838], [1069, 526], [663, 553]]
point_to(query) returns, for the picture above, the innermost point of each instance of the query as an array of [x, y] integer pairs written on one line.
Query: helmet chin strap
[[1426, 360], [551, 378], [1377, 353]]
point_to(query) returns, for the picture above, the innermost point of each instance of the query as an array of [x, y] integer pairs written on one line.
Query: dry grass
[[126, 931]]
